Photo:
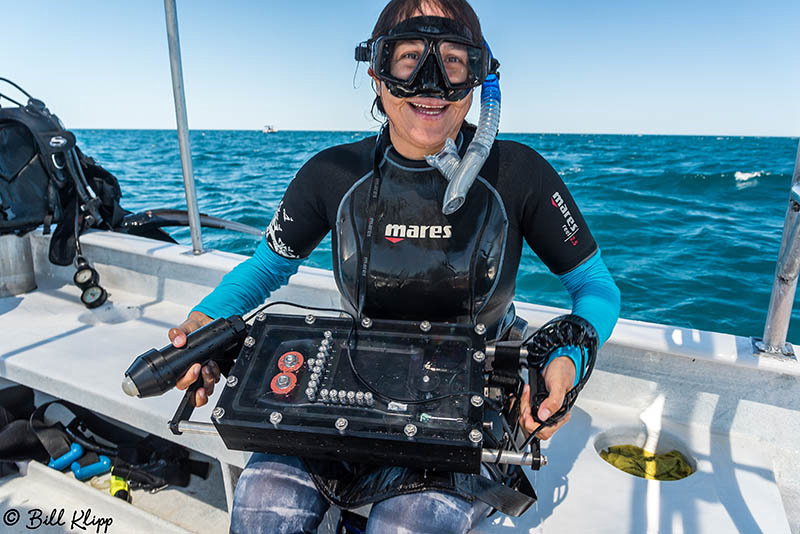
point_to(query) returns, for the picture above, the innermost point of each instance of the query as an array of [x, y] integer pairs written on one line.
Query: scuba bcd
[[45, 179]]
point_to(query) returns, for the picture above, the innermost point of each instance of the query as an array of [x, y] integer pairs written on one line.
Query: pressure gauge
[[85, 277], [93, 296]]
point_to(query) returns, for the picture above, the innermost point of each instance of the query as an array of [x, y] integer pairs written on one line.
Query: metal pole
[[786, 273], [183, 124]]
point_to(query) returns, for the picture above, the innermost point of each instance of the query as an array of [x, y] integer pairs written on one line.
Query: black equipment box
[[295, 390]]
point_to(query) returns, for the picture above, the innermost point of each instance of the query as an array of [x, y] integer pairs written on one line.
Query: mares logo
[[571, 227], [397, 232]]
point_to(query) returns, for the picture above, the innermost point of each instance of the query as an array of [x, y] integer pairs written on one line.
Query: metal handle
[[191, 427], [509, 457]]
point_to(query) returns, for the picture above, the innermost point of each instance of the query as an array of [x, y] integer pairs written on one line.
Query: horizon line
[[793, 137]]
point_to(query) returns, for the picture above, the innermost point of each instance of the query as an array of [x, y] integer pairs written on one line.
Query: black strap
[[372, 210], [88, 458], [509, 501], [57, 440]]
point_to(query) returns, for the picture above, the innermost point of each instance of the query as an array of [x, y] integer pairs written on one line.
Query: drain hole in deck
[[652, 455]]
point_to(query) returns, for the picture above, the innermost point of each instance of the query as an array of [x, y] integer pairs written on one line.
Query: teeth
[[428, 110]]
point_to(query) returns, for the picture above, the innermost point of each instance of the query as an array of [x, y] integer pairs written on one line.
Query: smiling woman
[[424, 78], [398, 254]]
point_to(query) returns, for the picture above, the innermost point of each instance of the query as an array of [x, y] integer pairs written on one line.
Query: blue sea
[[689, 227]]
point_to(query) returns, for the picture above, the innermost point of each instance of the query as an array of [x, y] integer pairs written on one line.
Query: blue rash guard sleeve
[[249, 283], [596, 298]]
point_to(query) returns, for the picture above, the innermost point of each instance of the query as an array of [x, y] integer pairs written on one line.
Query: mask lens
[[455, 58], [462, 63], [404, 56]]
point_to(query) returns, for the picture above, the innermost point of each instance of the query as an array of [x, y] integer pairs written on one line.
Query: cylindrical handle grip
[[158, 370]]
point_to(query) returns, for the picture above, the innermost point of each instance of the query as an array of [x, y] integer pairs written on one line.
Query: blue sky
[[662, 67]]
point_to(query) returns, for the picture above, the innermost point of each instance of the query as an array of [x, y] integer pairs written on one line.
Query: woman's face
[[420, 125]]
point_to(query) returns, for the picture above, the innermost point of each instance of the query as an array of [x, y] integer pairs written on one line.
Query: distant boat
[[269, 129]]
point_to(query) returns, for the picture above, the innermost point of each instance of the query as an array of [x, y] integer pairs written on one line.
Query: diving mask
[[428, 56]]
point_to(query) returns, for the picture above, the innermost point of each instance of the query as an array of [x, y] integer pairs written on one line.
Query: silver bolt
[[314, 377], [342, 396], [275, 418], [476, 400], [324, 343], [232, 381], [283, 381], [333, 395], [360, 397], [478, 356], [480, 329], [311, 363], [323, 393], [475, 435], [249, 341], [310, 319], [351, 397], [488, 425], [261, 316], [328, 334], [368, 399], [321, 355], [290, 360], [312, 384], [317, 369], [425, 326], [310, 393], [410, 430], [366, 322], [218, 413], [426, 379], [341, 424]]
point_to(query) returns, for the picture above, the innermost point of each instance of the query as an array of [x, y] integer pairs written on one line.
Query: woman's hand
[[210, 371], [559, 376]]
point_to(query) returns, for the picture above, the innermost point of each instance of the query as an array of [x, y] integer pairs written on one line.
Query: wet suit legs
[[275, 494]]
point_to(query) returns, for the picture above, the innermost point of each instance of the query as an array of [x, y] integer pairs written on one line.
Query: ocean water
[[689, 227]]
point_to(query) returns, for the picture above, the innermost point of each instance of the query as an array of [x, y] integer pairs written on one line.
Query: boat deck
[[736, 417]]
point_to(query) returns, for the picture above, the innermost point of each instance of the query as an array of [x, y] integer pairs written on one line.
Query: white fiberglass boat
[[731, 410], [734, 415]]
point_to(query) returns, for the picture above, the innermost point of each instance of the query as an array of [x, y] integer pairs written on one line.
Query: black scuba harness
[[372, 208]]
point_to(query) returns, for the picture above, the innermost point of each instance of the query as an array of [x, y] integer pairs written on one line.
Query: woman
[[397, 255]]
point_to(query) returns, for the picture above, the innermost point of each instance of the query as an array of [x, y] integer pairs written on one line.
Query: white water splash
[[744, 176]]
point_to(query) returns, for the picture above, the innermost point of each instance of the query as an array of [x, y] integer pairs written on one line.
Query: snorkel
[[461, 173]]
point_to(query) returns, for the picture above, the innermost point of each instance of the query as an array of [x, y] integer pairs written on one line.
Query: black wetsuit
[[423, 264]]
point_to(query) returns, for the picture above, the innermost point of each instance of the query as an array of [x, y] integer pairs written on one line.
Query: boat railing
[[176, 68], [779, 313]]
